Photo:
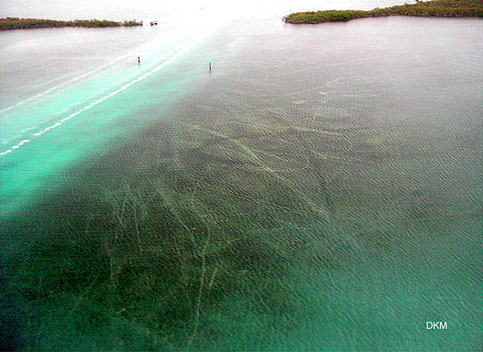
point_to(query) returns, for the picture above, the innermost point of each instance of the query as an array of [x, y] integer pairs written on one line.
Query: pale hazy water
[[330, 177]]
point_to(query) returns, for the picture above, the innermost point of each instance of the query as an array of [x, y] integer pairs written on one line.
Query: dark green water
[[319, 190]]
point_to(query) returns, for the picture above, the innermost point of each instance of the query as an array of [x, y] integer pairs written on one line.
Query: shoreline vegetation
[[10, 23], [435, 8]]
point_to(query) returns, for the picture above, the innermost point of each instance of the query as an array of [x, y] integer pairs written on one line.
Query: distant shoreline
[[435, 8], [12, 23]]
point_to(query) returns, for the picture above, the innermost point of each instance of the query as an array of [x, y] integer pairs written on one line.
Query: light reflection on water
[[318, 190]]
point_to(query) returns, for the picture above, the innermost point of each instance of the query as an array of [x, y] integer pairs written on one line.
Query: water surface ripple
[[319, 189]]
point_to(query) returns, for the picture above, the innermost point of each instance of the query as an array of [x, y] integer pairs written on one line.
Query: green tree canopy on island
[[435, 8], [28, 23]]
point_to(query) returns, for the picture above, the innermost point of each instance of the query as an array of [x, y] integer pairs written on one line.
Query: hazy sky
[[145, 9]]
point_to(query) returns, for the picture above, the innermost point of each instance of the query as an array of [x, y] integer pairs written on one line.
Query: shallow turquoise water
[[70, 120], [318, 190]]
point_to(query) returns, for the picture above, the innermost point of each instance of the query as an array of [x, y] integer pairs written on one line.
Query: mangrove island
[[29, 23], [435, 8]]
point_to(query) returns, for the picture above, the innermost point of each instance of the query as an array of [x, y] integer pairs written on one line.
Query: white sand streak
[[101, 100]]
